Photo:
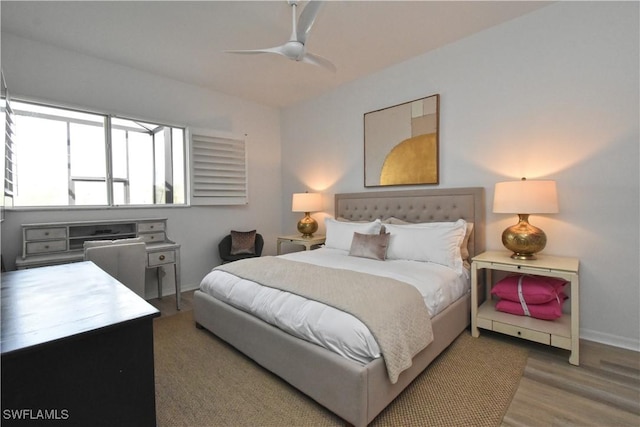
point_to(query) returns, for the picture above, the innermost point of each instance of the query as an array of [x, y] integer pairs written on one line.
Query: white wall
[[553, 94], [44, 72]]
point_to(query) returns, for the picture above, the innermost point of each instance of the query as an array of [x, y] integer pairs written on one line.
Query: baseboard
[[609, 339], [171, 292]]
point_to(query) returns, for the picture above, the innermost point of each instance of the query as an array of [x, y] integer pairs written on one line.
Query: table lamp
[[523, 198], [307, 203]]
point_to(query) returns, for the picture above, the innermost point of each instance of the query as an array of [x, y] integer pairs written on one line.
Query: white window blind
[[219, 170], [9, 148]]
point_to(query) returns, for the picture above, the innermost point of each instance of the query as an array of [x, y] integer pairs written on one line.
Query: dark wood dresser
[[77, 349]]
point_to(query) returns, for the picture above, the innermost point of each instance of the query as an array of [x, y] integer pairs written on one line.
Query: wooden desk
[[77, 344], [54, 243]]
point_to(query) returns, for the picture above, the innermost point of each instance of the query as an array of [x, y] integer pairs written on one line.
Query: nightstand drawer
[[161, 258], [34, 248], [519, 332], [45, 233], [485, 323], [561, 342]]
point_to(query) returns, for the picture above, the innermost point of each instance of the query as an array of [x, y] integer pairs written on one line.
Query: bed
[[355, 391]]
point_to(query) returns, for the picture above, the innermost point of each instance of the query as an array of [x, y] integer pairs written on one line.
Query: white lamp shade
[[525, 197], [306, 202]]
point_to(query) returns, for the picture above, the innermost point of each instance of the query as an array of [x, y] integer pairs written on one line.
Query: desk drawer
[[45, 233], [161, 258], [527, 334], [34, 248], [152, 237], [147, 227]]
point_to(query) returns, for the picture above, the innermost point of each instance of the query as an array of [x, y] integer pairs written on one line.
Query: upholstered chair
[[238, 245], [124, 261]]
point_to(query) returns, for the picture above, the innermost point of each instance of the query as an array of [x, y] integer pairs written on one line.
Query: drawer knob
[[46, 246], [519, 333], [161, 257], [151, 227], [46, 233]]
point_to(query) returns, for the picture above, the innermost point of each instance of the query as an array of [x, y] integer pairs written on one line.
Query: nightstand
[[561, 333], [297, 239]]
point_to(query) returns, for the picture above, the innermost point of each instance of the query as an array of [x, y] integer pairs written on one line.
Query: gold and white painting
[[401, 144]]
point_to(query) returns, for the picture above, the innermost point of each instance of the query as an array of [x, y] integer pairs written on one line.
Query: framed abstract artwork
[[401, 144]]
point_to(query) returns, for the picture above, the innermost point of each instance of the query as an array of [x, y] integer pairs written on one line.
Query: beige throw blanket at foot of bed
[[393, 311]]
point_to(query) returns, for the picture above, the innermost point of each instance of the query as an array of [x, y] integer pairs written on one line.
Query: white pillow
[[340, 233], [464, 246], [437, 242]]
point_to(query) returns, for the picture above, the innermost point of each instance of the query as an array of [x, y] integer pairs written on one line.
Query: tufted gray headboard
[[440, 204]]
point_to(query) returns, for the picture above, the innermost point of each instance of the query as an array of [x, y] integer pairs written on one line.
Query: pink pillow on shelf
[[535, 289], [550, 310]]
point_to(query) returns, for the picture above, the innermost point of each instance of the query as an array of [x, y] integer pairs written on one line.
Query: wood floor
[[603, 391]]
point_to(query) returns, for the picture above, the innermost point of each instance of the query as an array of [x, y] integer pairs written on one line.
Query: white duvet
[[327, 326]]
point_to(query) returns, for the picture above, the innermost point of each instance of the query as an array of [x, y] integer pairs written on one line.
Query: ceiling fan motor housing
[[293, 50]]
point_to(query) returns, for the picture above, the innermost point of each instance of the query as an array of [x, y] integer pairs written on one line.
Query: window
[[147, 163], [219, 170], [73, 158]]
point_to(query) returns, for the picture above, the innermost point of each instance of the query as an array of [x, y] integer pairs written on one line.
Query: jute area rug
[[202, 381]]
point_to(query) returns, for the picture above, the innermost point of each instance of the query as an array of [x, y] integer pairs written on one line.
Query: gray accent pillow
[[372, 246], [243, 242]]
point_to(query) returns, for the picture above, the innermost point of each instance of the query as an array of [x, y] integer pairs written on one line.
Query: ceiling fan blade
[[307, 18], [318, 60], [278, 50]]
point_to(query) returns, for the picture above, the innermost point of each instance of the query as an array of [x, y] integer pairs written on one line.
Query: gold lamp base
[[307, 226], [524, 239]]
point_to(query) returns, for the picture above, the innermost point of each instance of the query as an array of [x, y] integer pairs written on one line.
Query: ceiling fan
[[295, 49]]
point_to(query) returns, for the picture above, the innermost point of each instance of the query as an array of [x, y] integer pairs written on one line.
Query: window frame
[[109, 176]]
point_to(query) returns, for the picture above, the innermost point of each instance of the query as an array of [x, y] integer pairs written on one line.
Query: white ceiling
[[184, 40]]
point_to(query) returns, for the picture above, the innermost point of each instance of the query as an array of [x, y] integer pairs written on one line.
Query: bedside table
[[561, 333], [297, 239]]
